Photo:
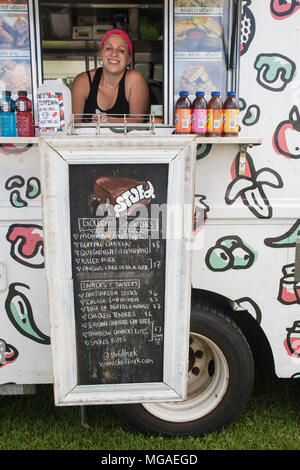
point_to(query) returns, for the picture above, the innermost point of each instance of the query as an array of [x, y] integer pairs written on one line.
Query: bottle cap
[[183, 93], [215, 93], [6, 93], [200, 93], [22, 92], [231, 93]]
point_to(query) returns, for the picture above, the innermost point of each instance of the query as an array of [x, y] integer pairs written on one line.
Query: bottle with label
[[183, 114], [215, 115], [24, 115], [199, 114], [231, 114], [7, 115]]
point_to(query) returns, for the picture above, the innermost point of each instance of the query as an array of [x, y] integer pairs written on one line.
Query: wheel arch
[[250, 327]]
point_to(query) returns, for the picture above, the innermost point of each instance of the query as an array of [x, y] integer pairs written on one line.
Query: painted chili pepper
[[19, 312]]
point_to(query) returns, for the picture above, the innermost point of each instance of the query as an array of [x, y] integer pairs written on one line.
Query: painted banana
[[250, 187]]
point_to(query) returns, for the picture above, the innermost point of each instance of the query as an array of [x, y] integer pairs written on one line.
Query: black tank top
[[121, 105]]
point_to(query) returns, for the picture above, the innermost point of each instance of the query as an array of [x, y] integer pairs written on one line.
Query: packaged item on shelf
[[61, 24], [231, 114], [54, 107], [183, 114], [99, 30], [215, 115], [82, 32], [199, 114], [7, 115], [24, 115]]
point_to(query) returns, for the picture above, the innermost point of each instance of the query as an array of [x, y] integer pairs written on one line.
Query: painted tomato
[[282, 9], [286, 139]]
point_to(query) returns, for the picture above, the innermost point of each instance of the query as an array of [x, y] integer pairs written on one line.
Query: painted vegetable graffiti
[[249, 186], [274, 71], [201, 210], [27, 245], [247, 27], [287, 239], [292, 341], [20, 313], [8, 353], [15, 183], [289, 289], [230, 253], [286, 139], [281, 9]]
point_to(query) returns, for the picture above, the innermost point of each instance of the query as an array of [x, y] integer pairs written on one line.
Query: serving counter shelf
[[246, 141], [19, 140]]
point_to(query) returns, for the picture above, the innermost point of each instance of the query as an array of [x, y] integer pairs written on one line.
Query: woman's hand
[[100, 117]]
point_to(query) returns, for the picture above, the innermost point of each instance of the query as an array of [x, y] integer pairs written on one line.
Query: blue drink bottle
[[7, 115]]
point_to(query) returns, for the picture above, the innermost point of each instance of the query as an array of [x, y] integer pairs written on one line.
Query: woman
[[111, 89]]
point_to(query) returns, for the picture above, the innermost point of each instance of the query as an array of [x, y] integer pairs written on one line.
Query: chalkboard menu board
[[117, 227], [118, 266]]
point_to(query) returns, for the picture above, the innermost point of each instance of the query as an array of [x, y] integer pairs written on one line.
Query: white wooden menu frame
[[179, 152]]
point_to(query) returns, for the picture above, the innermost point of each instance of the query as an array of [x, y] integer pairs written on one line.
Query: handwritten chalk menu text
[[118, 247]]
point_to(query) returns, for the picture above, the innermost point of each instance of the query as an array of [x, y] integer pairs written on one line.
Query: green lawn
[[270, 422]]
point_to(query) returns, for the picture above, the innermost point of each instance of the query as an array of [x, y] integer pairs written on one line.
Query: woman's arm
[[137, 93], [80, 90]]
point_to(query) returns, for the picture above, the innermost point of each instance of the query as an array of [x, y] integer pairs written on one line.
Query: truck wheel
[[220, 380]]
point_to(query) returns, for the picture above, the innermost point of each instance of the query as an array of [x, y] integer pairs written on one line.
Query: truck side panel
[[25, 351], [252, 200]]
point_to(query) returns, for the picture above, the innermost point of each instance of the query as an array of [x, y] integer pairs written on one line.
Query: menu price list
[[119, 317]]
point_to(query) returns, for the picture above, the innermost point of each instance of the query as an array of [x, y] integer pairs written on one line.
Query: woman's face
[[115, 53]]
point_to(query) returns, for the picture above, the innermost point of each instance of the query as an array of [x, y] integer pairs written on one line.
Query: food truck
[[169, 328]]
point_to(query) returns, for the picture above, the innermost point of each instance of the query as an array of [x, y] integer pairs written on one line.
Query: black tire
[[221, 375]]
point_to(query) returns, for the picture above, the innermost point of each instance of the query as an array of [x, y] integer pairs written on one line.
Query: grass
[[32, 422]]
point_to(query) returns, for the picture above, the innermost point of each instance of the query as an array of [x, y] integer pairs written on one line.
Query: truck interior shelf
[[100, 5]]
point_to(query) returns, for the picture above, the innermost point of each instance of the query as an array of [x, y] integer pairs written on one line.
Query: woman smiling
[[112, 89]]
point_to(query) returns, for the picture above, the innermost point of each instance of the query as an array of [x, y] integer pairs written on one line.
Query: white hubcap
[[208, 377]]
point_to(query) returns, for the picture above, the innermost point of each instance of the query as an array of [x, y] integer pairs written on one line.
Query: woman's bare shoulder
[[134, 76], [80, 82], [83, 78]]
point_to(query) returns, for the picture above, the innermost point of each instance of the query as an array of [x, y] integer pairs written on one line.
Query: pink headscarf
[[122, 33]]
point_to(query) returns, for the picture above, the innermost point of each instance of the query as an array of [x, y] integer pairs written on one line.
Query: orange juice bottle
[[231, 114], [215, 115], [183, 114], [199, 114]]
